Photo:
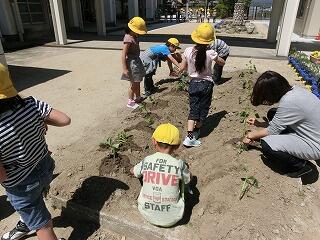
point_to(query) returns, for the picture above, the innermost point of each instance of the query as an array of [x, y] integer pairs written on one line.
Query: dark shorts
[[27, 196], [200, 96]]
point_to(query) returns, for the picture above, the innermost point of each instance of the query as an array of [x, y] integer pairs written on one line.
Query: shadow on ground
[[278, 167], [211, 122], [92, 195], [26, 77], [6, 208], [192, 196]]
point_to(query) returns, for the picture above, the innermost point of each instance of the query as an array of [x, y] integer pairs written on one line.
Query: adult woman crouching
[[292, 135]]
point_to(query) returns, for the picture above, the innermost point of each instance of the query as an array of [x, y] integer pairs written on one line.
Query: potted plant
[[315, 57]]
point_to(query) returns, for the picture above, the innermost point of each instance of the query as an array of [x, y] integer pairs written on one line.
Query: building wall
[[312, 25], [110, 12], [7, 22], [308, 23]]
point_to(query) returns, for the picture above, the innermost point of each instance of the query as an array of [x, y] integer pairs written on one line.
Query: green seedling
[[149, 120], [122, 137], [242, 148], [244, 114], [251, 67], [153, 101], [182, 83], [248, 182], [112, 145], [143, 108]]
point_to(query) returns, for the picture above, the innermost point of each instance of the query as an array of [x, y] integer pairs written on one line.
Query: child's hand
[[126, 73]]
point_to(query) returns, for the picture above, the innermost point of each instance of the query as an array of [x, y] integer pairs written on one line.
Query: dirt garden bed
[[272, 206]]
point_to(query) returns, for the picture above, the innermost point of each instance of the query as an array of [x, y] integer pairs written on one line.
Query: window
[[302, 8], [31, 11]]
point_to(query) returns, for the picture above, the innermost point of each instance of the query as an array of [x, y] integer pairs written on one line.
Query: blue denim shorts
[[27, 196], [200, 97]]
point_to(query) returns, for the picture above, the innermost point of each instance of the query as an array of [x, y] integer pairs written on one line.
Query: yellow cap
[[174, 42], [167, 133], [204, 34], [138, 25], [6, 87]]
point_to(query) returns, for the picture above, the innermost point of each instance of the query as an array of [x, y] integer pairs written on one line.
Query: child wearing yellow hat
[[152, 57], [198, 62], [161, 199], [26, 167], [133, 69]]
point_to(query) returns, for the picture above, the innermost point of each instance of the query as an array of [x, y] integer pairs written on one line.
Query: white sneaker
[[132, 104], [20, 231], [191, 142]]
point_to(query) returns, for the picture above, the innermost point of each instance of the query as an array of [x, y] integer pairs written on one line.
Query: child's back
[[160, 200]]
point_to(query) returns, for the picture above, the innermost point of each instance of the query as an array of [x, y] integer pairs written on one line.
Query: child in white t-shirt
[[198, 62], [161, 200]]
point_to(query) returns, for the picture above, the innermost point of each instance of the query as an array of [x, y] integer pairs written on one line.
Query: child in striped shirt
[[26, 167], [223, 51]]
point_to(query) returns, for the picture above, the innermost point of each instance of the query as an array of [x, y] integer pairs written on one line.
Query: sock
[[190, 135]]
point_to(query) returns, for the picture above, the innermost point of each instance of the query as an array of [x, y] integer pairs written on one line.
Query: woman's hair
[[269, 88], [127, 30], [201, 57], [12, 103]]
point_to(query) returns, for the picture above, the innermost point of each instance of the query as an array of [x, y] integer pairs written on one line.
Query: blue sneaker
[[191, 142]]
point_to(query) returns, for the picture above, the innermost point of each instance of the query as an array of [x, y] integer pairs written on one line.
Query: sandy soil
[[85, 84], [278, 208]]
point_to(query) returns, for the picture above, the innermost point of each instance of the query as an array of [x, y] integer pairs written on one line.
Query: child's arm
[[169, 57], [3, 174], [220, 61], [57, 118], [137, 170], [123, 59], [183, 64]]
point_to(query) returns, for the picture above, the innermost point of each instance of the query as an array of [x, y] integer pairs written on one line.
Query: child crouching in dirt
[[152, 57], [223, 51], [161, 199], [198, 61]]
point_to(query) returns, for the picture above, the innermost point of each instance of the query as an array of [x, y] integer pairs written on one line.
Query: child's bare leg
[[130, 91], [46, 232], [136, 89], [191, 124]]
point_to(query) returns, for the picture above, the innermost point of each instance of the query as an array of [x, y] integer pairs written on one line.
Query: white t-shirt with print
[[206, 74], [160, 200]]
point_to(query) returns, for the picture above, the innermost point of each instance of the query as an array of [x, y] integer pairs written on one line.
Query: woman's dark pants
[[285, 161]]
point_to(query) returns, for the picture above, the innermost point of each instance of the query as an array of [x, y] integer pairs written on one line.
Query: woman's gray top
[[298, 110]]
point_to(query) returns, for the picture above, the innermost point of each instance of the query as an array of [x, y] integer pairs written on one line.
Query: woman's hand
[[252, 121], [246, 140]]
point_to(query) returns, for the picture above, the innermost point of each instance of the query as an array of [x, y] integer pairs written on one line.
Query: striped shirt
[[220, 47], [22, 140]]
